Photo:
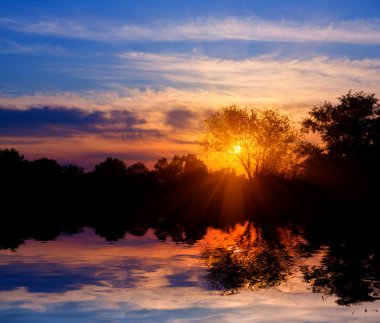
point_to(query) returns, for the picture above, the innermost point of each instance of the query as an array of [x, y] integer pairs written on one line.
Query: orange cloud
[[172, 115]]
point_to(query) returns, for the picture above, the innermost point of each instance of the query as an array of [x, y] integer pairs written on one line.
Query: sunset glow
[[189, 160], [107, 61], [236, 149]]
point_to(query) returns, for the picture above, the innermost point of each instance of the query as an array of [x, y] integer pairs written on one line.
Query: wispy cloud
[[183, 88], [249, 28], [56, 121], [181, 118], [170, 81], [199, 83], [8, 46], [265, 79]]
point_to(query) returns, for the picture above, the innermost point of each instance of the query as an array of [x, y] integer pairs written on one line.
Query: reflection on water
[[250, 260], [269, 274], [352, 277], [257, 258]]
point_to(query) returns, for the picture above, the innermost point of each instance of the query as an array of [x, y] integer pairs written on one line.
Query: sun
[[236, 149]]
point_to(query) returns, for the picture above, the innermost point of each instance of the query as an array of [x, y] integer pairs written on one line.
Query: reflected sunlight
[[177, 161]]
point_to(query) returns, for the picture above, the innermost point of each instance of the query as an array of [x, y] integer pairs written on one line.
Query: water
[[243, 272]]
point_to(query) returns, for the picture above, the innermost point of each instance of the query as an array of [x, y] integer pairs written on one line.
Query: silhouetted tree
[[72, 170], [175, 167], [12, 163], [46, 168], [161, 169], [180, 167], [137, 169], [111, 168], [350, 130], [10, 157], [193, 166], [260, 140]]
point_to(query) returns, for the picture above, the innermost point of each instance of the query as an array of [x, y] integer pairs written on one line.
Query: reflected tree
[[351, 276], [250, 261]]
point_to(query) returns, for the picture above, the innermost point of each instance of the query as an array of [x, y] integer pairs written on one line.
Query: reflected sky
[[82, 278]]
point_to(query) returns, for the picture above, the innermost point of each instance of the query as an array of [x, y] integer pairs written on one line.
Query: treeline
[[337, 179], [111, 189], [180, 187], [40, 198], [13, 166]]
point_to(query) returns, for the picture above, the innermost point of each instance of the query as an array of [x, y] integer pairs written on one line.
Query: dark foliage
[[350, 131], [252, 262]]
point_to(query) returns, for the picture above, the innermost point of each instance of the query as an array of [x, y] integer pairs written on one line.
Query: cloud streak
[[181, 118], [55, 121], [180, 88], [8, 46], [167, 114], [194, 82], [206, 29], [263, 80]]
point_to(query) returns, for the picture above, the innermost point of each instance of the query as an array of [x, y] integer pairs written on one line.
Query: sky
[[83, 80]]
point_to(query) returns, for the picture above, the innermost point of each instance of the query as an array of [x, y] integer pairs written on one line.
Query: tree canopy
[[180, 167], [260, 140], [350, 130], [111, 168]]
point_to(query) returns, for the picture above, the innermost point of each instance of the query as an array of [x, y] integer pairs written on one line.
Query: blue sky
[[154, 59]]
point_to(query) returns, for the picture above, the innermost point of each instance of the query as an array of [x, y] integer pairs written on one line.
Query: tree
[[260, 140], [137, 169], [11, 162], [10, 157], [350, 130], [254, 259], [111, 168], [180, 167], [164, 170], [46, 168], [72, 170], [193, 166]]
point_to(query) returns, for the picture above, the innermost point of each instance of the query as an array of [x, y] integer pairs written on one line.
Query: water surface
[[243, 273]]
